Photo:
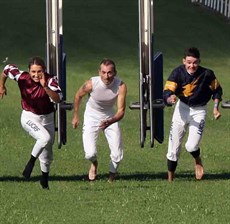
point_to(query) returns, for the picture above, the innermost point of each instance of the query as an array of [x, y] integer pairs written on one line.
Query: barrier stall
[[56, 62], [150, 103]]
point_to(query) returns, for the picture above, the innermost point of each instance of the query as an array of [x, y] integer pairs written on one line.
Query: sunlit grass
[[141, 194]]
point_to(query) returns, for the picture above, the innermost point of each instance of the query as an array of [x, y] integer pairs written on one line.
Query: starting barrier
[[150, 103], [56, 62]]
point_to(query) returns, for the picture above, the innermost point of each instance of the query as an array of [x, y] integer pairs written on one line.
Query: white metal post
[[229, 9], [214, 4], [54, 30]]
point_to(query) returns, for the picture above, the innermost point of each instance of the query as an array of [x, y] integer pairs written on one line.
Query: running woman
[[194, 86], [39, 92], [105, 91]]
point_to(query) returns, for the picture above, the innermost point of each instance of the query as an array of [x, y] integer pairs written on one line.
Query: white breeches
[[185, 117], [113, 135], [41, 128]]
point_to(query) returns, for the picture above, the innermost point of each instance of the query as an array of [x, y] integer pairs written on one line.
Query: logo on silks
[[201, 127], [32, 125], [188, 89]]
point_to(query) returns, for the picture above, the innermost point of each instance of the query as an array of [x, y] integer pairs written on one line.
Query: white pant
[[113, 135], [41, 128], [185, 117]]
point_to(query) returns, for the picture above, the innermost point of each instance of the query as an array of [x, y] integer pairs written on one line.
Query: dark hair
[[107, 61], [37, 61], [192, 51]]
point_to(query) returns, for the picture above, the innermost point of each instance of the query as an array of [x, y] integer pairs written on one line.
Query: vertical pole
[[214, 4], [48, 31], [225, 8], [151, 72], [142, 79], [54, 53], [228, 9], [60, 17], [53, 36], [211, 4], [221, 6], [146, 66]]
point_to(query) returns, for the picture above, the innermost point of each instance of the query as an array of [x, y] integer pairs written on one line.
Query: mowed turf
[[94, 30]]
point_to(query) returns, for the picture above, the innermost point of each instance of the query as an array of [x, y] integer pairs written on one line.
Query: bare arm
[[121, 105], [84, 89], [52, 94], [216, 112], [3, 90]]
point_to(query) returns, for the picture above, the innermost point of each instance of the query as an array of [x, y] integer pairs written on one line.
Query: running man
[[105, 91], [194, 86]]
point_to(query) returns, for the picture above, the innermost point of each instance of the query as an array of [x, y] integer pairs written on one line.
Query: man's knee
[[117, 157], [91, 156], [191, 147]]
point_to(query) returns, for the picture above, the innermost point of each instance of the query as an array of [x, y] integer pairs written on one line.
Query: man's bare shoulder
[[87, 86], [122, 88]]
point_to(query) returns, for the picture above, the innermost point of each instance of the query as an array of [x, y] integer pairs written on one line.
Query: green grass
[[141, 195]]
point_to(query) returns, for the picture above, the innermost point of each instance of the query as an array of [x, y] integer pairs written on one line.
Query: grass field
[[94, 29]]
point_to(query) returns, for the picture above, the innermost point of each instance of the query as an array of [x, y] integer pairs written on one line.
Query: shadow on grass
[[132, 177]]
